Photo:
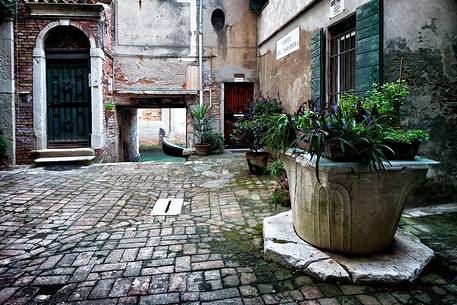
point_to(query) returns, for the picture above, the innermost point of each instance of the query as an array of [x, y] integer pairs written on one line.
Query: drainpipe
[[200, 49]]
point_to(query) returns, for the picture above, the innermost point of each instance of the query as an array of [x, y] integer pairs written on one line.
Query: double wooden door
[[68, 102]]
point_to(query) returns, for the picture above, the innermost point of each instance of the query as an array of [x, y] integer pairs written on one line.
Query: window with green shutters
[[318, 65], [354, 57], [368, 45]]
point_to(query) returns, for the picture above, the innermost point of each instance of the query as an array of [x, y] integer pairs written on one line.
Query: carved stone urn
[[352, 210]]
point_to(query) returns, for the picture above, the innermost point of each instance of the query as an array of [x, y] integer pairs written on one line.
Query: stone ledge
[[402, 262]]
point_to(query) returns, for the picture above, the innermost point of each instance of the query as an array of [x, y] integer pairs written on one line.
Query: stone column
[[96, 69], [7, 90], [39, 98]]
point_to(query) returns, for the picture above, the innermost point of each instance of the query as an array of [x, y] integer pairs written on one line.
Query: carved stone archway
[[97, 138]]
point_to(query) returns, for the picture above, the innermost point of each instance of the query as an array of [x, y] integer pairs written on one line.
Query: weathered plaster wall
[[423, 36], [7, 94], [155, 41], [229, 52], [234, 49], [290, 77], [156, 49], [277, 13]]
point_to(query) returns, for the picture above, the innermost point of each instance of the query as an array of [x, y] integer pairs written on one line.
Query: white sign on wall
[[288, 44], [336, 7]]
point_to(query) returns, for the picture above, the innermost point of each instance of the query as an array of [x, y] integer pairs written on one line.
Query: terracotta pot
[[332, 151], [403, 151], [351, 210], [202, 149], [257, 162], [109, 113]]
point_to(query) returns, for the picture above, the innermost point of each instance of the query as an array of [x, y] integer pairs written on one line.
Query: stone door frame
[[97, 56]]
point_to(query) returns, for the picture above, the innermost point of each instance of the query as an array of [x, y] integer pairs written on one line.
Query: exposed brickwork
[[26, 33]]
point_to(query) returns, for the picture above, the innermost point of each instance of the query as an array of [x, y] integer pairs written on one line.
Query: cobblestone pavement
[[86, 236]]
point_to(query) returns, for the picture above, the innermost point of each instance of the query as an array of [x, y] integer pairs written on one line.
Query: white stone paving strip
[[167, 207]]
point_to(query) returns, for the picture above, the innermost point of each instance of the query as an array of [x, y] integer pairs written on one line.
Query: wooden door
[[237, 99], [68, 102]]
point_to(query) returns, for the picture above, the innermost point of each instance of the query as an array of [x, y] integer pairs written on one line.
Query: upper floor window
[[342, 59]]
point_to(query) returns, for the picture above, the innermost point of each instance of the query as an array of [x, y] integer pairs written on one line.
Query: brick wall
[[26, 33]]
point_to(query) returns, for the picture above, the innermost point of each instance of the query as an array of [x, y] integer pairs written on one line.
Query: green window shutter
[[318, 65], [368, 46]]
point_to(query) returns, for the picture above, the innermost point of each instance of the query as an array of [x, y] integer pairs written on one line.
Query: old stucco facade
[[144, 54], [156, 57], [420, 36]]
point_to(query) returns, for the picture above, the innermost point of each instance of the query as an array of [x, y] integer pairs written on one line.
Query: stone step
[[64, 152], [62, 160]]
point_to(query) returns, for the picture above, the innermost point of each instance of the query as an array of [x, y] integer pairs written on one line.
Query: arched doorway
[[68, 92]]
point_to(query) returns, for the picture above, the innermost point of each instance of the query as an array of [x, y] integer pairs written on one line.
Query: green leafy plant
[[346, 132], [386, 100], [280, 194], [200, 121], [266, 106], [279, 134], [109, 106], [216, 140], [253, 127], [279, 197], [276, 169], [407, 136], [3, 146]]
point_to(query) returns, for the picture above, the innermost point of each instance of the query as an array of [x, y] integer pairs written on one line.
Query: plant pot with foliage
[[404, 143], [280, 196], [325, 191], [201, 124], [252, 128], [387, 101], [215, 141], [109, 109]]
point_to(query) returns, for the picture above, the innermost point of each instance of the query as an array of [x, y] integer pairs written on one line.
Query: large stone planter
[[352, 210]]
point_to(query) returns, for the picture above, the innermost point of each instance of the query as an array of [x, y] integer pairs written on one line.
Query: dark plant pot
[[202, 149], [257, 162], [403, 151], [109, 113], [332, 151], [2, 163], [302, 144]]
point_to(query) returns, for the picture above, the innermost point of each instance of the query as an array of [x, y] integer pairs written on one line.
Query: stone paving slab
[[85, 236], [402, 262]]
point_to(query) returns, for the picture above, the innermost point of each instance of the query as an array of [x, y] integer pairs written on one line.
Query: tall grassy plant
[[200, 121]]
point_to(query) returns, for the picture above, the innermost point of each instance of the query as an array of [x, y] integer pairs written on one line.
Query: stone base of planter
[[402, 262]]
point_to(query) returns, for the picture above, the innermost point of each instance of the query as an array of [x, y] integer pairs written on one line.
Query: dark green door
[[68, 101]]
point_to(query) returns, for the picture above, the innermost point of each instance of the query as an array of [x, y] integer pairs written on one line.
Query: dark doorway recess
[[67, 88], [237, 99]]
